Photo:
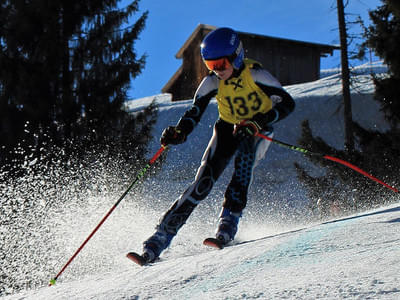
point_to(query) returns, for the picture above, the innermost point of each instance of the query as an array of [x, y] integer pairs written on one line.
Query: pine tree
[[383, 36], [378, 152], [65, 68]]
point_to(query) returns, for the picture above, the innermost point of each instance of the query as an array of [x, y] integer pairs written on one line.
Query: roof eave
[[199, 27], [172, 80]]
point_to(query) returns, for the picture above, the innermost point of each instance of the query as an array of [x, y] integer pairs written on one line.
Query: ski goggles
[[220, 64]]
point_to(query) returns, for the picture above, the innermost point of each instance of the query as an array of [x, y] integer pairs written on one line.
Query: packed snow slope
[[279, 252], [351, 258]]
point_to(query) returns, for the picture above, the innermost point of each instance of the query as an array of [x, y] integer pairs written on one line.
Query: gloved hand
[[246, 128], [172, 135]]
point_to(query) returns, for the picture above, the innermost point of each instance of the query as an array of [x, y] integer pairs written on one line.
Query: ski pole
[[138, 177], [328, 157]]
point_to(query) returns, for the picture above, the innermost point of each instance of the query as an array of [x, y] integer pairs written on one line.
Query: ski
[[141, 261], [213, 242], [136, 258]]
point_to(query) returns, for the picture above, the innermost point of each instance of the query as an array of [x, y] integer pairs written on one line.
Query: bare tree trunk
[[348, 119]]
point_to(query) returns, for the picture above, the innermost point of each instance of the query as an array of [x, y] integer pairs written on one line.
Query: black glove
[[265, 120], [245, 129], [172, 135]]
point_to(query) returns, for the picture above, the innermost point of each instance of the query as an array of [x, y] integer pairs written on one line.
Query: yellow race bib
[[239, 98]]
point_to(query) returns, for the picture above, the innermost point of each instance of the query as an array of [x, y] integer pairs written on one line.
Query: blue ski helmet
[[223, 42]]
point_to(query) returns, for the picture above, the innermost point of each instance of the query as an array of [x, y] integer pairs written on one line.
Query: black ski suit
[[224, 145]]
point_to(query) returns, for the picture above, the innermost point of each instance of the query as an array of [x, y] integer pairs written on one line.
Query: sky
[[280, 251], [170, 23]]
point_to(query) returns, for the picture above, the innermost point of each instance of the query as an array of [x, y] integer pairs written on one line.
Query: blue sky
[[171, 22]]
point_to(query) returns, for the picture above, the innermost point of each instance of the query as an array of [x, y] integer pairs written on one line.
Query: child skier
[[249, 101]]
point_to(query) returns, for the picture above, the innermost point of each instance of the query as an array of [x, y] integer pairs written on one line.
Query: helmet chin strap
[[235, 73]]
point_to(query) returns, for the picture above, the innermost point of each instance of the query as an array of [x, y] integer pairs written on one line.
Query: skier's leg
[[217, 155], [250, 152]]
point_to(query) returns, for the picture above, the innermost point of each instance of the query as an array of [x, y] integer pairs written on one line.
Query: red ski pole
[[328, 157], [138, 177]]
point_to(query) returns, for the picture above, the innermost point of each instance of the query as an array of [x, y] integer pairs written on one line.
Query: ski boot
[[227, 226], [154, 245]]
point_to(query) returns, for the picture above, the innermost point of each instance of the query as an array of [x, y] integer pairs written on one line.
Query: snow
[[278, 254], [354, 257]]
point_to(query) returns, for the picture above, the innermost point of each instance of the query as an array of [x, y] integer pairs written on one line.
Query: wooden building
[[290, 61]]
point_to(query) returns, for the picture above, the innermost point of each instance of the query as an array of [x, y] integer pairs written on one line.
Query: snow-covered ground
[[350, 258], [279, 253]]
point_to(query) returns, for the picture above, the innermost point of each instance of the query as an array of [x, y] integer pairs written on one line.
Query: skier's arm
[[207, 89], [283, 103]]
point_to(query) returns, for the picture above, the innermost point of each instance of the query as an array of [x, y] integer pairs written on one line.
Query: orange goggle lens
[[217, 64]]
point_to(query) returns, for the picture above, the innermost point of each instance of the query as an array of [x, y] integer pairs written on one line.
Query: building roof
[[324, 48], [171, 81], [192, 37]]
